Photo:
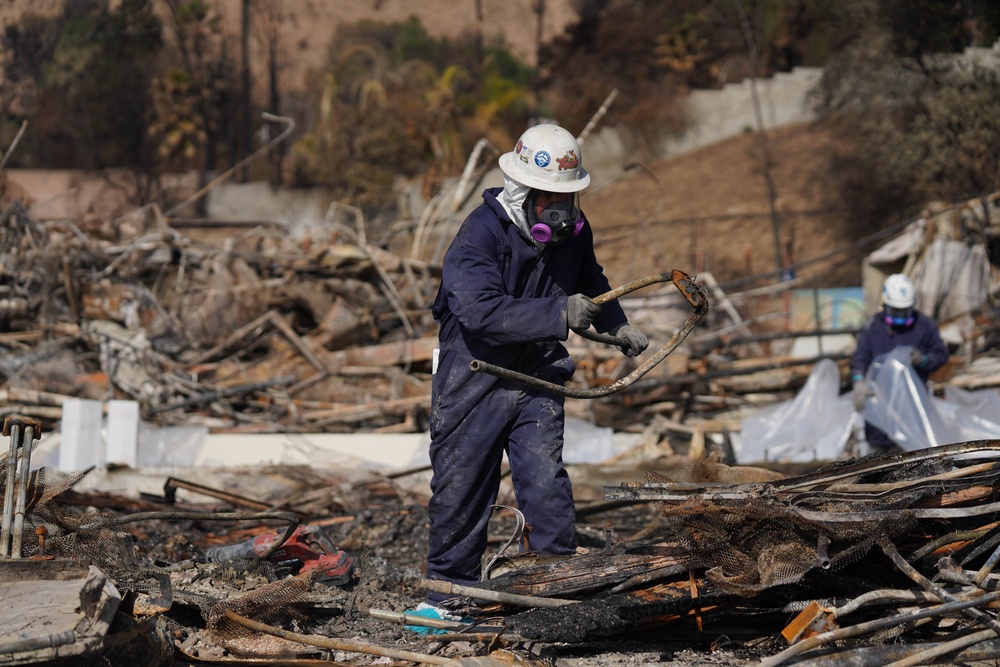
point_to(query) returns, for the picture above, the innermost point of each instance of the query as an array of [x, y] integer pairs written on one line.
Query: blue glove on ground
[[430, 611]]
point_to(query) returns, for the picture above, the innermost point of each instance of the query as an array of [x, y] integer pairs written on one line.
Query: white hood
[[512, 199]]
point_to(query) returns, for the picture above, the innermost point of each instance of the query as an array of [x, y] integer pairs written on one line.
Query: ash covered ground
[[387, 539]]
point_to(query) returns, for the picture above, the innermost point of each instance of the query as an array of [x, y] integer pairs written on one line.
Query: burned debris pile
[[266, 333], [887, 558], [879, 559]]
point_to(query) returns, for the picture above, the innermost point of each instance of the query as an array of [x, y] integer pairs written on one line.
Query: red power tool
[[308, 549]]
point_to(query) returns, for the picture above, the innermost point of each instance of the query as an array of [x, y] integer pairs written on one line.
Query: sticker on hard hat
[[542, 159], [568, 161], [517, 149]]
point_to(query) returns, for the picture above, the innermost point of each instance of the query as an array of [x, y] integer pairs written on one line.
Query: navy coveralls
[[502, 300], [879, 337]]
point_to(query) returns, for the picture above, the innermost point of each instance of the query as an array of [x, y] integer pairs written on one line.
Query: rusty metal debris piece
[[515, 537], [693, 293], [172, 484], [42, 531]]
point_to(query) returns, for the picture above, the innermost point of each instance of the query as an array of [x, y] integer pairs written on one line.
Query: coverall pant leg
[[466, 464], [542, 486]]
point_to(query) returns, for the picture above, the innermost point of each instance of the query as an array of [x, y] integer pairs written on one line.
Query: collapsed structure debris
[[326, 331], [874, 560]]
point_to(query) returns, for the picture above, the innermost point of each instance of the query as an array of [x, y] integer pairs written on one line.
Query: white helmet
[[546, 157], [898, 292]]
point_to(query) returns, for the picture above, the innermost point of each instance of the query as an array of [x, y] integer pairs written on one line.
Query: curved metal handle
[[685, 283], [693, 293]]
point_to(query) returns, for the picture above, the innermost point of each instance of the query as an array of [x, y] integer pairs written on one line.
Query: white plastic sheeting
[[913, 418], [952, 278], [817, 423]]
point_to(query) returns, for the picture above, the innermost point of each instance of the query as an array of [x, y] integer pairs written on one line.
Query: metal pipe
[[823, 552], [987, 567], [327, 642], [27, 440], [8, 494], [695, 295], [883, 596], [417, 620], [870, 626], [927, 656], [881, 656], [36, 643], [977, 615]]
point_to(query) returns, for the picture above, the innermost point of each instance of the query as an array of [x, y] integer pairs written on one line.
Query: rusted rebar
[[691, 291], [42, 532]]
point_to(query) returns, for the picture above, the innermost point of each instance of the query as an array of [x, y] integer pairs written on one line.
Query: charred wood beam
[[478, 593], [274, 319], [172, 484], [612, 615], [886, 463], [586, 573], [337, 645], [694, 378], [709, 340], [211, 396]]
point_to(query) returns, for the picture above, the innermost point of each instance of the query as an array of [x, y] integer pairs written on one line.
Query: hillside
[[306, 27], [708, 209]]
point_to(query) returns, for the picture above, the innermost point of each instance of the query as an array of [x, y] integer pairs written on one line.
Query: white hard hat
[[546, 157], [898, 292]]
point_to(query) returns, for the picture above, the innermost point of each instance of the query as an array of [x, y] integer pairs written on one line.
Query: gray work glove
[[918, 358], [861, 391], [581, 311], [635, 340]]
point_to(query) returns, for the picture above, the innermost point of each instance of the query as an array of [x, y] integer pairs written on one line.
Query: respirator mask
[[559, 219], [898, 317]]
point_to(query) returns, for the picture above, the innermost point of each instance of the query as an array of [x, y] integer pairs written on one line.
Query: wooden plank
[[387, 354], [572, 575], [58, 569], [54, 611]]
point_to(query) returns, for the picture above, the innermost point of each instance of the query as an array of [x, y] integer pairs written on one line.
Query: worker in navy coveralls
[[519, 274], [898, 324]]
